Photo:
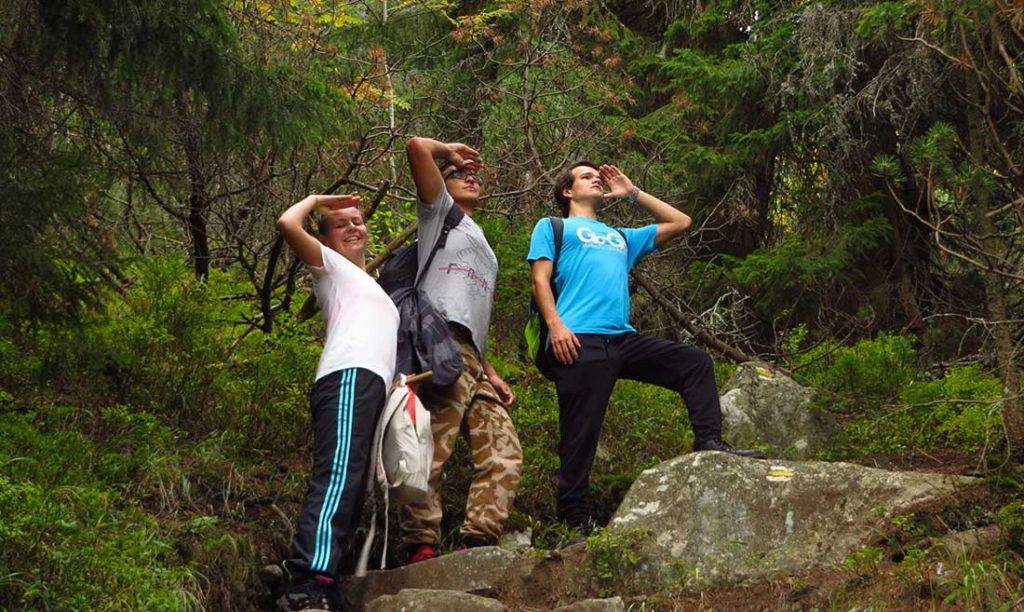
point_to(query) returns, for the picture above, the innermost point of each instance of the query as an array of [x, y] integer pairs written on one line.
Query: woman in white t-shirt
[[355, 370]]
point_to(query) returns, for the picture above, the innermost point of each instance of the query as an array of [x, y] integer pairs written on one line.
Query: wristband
[[633, 196]]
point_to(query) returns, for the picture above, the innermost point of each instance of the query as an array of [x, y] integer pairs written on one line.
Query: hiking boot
[[312, 593], [717, 444], [423, 552]]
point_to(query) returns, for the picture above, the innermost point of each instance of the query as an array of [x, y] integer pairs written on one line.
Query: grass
[[70, 538], [132, 516]]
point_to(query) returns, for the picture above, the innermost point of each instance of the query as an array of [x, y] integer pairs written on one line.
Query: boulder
[[763, 407], [517, 541], [430, 600], [476, 570], [710, 519], [612, 604]]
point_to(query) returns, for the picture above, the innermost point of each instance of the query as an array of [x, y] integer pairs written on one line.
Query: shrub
[[613, 561], [67, 540], [170, 346], [873, 370], [960, 410], [1011, 522], [858, 376]]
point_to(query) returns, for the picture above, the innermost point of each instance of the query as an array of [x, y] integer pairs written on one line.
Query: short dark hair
[[564, 181]]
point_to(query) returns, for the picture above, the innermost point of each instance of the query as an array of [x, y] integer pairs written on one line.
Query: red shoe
[[423, 552]]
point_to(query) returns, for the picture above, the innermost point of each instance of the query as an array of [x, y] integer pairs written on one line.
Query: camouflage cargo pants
[[497, 457]]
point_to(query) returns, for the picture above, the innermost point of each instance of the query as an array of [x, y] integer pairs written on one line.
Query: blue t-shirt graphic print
[[592, 274]]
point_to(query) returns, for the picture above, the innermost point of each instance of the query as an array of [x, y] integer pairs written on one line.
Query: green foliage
[[113, 91], [197, 410], [1011, 521], [158, 55], [719, 91], [887, 166], [613, 561], [48, 257], [68, 540], [882, 19], [864, 561], [510, 242], [799, 272], [985, 584], [164, 346], [894, 405], [115, 510], [964, 406], [872, 371], [960, 410], [858, 376]]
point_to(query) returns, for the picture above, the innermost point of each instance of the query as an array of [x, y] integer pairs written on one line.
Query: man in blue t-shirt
[[590, 341]]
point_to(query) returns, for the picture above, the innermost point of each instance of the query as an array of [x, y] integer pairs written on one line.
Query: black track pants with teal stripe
[[345, 406]]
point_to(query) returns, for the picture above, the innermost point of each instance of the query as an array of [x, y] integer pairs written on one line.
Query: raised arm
[[671, 221], [291, 224], [564, 343], [423, 151]]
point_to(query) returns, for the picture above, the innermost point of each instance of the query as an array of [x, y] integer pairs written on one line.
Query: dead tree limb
[[377, 198], [392, 246], [701, 335], [268, 284]]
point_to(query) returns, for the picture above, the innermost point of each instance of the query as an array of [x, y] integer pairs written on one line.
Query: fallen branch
[[377, 197], [701, 335], [392, 246]]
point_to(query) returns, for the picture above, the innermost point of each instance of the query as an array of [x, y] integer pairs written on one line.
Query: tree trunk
[[995, 288], [267, 290], [198, 201]]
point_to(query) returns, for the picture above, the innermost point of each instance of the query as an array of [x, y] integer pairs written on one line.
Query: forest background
[[855, 170]]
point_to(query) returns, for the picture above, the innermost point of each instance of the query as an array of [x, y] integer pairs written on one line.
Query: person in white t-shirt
[[355, 371]]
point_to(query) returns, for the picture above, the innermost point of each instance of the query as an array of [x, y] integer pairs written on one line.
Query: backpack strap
[[626, 240], [557, 231], [452, 219]]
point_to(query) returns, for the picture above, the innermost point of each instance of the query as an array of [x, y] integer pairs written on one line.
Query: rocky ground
[[715, 531]]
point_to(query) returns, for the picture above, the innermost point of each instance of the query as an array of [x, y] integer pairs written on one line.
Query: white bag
[[407, 448], [403, 450]]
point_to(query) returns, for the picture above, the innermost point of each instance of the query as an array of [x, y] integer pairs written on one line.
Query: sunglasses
[[463, 175]]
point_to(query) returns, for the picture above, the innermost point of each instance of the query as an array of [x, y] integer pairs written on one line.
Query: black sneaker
[[313, 593], [717, 444], [581, 528]]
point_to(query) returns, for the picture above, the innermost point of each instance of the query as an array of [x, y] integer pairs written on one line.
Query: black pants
[[345, 406], [585, 386]]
